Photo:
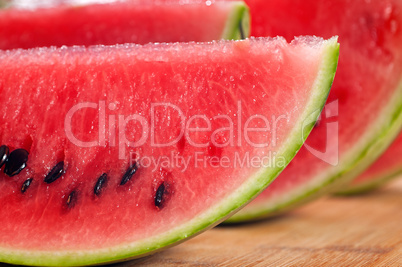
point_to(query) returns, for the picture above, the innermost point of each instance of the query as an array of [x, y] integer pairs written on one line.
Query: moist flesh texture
[[386, 168], [363, 112], [121, 22], [101, 109]]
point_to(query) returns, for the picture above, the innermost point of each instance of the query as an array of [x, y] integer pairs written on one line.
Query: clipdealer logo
[[331, 153], [238, 131]]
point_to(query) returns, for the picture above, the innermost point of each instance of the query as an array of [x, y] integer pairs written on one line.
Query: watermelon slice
[[115, 152], [387, 167], [363, 114], [122, 22]]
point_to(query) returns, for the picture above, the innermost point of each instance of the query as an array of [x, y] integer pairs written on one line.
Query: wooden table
[[339, 231]]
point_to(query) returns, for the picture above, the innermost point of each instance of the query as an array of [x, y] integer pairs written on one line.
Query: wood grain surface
[[363, 230]]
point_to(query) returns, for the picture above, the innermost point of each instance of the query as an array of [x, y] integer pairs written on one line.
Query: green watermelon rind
[[238, 21], [390, 125], [372, 184], [213, 216]]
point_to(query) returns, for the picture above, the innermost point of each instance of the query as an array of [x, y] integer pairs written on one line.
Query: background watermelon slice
[[122, 22], [365, 103], [387, 167], [78, 202]]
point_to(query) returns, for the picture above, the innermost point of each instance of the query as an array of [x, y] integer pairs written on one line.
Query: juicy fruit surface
[[128, 99], [367, 91], [119, 22], [388, 166]]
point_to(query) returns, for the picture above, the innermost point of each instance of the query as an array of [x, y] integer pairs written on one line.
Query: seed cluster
[[16, 161]]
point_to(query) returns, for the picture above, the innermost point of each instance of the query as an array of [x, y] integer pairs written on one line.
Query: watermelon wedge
[[122, 22], [387, 167], [363, 112], [115, 152]]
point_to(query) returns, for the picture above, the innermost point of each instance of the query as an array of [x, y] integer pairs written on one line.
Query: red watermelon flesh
[[128, 99], [387, 167], [122, 22], [363, 112]]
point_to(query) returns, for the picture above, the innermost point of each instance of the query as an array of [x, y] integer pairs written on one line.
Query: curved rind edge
[[238, 22], [242, 217], [372, 184], [335, 183], [213, 216]]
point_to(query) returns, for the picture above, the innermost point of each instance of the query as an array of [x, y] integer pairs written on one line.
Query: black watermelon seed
[[16, 162], [71, 199], [26, 185], [55, 173], [4, 151], [129, 173], [100, 184], [159, 195]]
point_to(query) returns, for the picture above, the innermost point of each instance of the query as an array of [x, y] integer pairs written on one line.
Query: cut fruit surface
[[387, 167], [124, 150], [363, 114], [122, 22]]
